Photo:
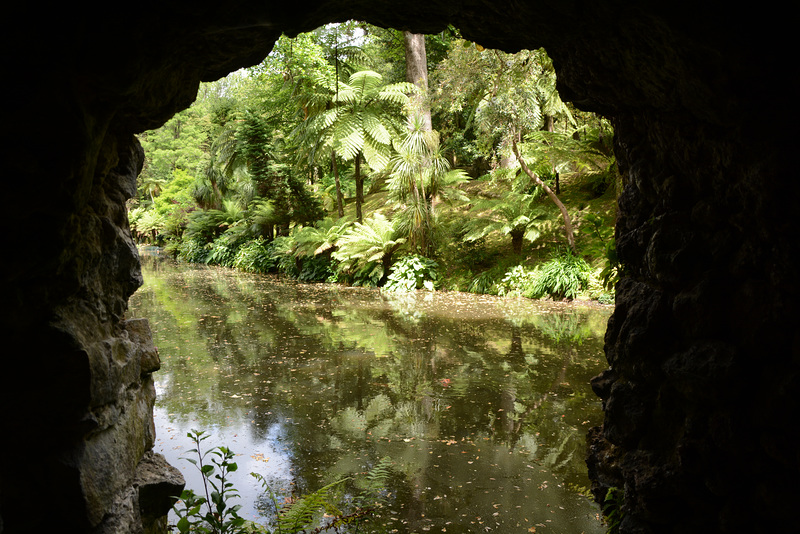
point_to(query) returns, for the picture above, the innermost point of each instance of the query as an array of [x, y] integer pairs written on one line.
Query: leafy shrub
[[607, 297], [413, 272], [254, 257], [612, 509], [484, 283], [563, 277], [220, 516], [281, 250], [517, 282], [192, 251], [222, 252], [205, 225], [365, 250], [316, 269]]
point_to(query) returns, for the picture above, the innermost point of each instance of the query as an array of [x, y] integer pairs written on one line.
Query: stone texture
[[159, 486], [702, 397]]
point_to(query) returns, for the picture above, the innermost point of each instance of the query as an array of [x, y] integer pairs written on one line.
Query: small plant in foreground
[[612, 509], [212, 513]]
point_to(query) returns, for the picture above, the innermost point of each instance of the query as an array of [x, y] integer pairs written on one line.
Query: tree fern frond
[[376, 154], [351, 139], [375, 129], [365, 81]]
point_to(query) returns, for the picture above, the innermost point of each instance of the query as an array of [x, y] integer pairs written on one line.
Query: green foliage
[[212, 512], [612, 267], [584, 150], [192, 251], [355, 120], [413, 272], [322, 238], [281, 251], [421, 178], [518, 282], [206, 225], [612, 509], [254, 257], [484, 284], [253, 157], [517, 215], [147, 224], [220, 517], [176, 145], [224, 249], [563, 277], [365, 250]]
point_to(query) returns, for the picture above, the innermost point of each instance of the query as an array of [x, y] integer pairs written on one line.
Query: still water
[[480, 403]]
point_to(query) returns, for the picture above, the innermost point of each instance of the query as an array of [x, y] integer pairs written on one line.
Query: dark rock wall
[[701, 394]]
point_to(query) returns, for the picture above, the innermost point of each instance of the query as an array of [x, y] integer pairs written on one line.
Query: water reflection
[[481, 403]]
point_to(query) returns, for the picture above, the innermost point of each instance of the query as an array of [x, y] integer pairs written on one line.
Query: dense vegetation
[[336, 160]]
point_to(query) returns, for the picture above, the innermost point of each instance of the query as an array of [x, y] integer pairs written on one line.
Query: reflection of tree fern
[[300, 514], [297, 515], [551, 460], [373, 485]]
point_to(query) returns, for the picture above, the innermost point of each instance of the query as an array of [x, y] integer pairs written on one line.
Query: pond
[[480, 404]]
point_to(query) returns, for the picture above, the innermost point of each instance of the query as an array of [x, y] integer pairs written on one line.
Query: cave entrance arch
[[702, 391]]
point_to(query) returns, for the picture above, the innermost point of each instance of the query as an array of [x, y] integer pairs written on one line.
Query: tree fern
[[322, 238], [365, 250], [514, 214], [355, 119]]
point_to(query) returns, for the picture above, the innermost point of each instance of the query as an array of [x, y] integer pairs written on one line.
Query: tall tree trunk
[[417, 73], [549, 123], [553, 197], [517, 240], [339, 199], [359, 188]]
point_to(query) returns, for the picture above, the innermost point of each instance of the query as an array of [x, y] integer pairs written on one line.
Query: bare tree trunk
[[549, 123], [553, 197], [417, 73], [339, 199]]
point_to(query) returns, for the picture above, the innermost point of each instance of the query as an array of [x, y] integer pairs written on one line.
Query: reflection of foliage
[[360, 381], [569, 328]]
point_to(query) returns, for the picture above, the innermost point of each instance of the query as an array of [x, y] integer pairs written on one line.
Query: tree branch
[[553, 197]]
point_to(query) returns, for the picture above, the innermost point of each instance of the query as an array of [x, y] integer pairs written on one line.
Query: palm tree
[[356, 120], [515, 214], [420, 178], [151, 185], [366, 250]]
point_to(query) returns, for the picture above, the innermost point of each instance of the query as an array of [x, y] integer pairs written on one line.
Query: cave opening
[[701, 395]]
